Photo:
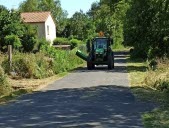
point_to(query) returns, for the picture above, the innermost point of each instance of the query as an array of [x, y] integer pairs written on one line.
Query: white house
[[45, 24]]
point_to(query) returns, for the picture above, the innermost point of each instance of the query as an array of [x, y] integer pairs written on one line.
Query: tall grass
[[47, 62], [159, 78], [5, 87], [62, 60], [29, 65]]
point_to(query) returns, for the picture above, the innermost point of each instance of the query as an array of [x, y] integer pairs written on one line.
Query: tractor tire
[[93, 66], [110, 62], [89, 64]]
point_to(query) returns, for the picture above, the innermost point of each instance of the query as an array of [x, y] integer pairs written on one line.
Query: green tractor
[[99, 53]]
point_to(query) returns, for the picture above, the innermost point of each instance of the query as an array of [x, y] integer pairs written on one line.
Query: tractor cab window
[[100, 44]]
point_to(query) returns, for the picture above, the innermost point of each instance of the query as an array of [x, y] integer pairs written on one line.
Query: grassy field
[[159, 117]]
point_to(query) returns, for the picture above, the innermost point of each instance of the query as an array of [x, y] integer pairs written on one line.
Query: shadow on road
[[96, 107]]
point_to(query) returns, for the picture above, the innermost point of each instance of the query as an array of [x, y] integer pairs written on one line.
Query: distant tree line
[[141, 24]]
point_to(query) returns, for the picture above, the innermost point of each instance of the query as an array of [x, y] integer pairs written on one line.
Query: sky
[[71, 6]]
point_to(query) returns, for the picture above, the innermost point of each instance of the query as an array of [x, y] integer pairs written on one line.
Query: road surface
[[98, 98]]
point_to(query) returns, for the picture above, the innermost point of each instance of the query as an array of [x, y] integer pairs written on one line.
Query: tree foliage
[[14, 32], [147, 28], [108, 16]]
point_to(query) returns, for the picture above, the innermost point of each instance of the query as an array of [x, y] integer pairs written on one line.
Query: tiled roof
[[32, 17]]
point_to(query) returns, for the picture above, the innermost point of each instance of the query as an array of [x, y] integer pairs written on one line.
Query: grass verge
[[24, 86], [159, 117], [13, 95]]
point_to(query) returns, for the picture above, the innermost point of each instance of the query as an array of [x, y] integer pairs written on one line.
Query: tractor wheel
[[89, 64], [93, 66], [110, 62]]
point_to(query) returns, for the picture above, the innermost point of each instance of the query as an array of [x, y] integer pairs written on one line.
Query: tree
[[29, 6], [13, 31], [10, 24], [146, 28], [77, 24], [108, 16]]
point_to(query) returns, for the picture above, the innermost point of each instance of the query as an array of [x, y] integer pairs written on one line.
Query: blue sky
[[70, 5]]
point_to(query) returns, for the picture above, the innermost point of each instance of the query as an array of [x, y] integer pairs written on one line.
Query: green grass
[[120, 48], [137, 70], [159, 117]]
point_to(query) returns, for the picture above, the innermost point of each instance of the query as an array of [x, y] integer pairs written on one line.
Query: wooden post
[[10, 56]]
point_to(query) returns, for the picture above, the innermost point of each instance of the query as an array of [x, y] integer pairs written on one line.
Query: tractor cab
[[100, 47]]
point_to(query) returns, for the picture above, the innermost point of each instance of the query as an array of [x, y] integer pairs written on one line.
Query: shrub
[[47, 62], [30, 65], [13, 40], [61, 41], [64, 41], [62, 60], [75, 43], [29, 38], [42, 42]]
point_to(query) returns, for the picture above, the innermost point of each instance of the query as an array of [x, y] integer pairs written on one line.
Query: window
[[101, 43], [48, 29]]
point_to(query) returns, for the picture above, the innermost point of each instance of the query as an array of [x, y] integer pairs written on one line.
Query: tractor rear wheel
[[89, 64], [110, 62]]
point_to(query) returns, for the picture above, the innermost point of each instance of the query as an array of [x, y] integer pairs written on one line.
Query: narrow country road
[[98, 98]]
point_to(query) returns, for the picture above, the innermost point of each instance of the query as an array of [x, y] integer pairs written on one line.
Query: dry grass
[[159, 78], [34, 84], [144, 85]]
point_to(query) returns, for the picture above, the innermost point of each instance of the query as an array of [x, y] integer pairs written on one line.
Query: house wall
[[40, 29], [50, 29]]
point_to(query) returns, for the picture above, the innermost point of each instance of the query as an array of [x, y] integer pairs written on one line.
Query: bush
[[13, 40], [47, 62], [75, 43], [64, 41], [30, 65], [42, 42], [29, 38], [62, 60], [61, 41]]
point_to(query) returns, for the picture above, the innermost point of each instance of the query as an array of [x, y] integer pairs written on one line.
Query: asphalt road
[[98, 98]]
